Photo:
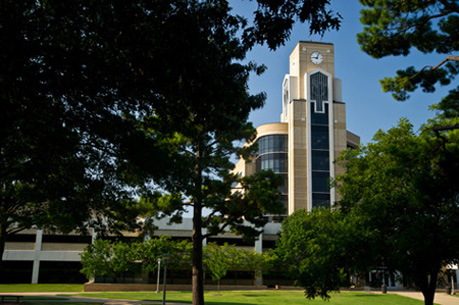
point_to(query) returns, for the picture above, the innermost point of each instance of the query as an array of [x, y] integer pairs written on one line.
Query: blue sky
[[368, 108]]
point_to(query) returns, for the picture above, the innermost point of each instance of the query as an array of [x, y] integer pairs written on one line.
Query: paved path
[[69, 298], [440, 297]]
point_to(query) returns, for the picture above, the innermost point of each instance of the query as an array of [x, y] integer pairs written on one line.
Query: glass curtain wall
[[320, 145], [273, 154]]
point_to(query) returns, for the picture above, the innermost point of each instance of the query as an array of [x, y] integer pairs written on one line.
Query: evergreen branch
[[404, 29], [209, 217], [449, 58], [452, 6], [222, 228]]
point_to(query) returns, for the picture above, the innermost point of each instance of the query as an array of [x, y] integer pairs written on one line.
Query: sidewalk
[[440, 297], [81, 299]]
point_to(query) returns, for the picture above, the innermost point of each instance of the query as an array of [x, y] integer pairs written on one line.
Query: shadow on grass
[[43, 298], [61, 303]]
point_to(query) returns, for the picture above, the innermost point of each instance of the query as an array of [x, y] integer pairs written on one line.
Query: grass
[[265, 297], [262, 297], [41, 288]]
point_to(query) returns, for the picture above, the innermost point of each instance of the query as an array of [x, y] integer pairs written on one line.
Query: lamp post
[[166, 259], [157, 279]]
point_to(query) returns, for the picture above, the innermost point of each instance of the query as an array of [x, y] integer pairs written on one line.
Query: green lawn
[[61, 303], [41, 288], [263, 297]]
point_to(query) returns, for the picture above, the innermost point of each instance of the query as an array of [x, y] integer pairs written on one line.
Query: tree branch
[[220, 230], [452, 6], [403, 30], [449, 58], [207, 219], [16, 230]]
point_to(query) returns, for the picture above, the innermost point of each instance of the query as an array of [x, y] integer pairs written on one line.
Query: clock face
[[316, 58]]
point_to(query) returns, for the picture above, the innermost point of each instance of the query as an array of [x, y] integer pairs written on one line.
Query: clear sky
[[368, 108]]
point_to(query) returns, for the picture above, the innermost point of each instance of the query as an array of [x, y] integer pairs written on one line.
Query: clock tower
[[315, 114], [312, 132]]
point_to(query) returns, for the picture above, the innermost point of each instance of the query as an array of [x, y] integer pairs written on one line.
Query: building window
[[286, 96], [319, 137], [272, 143], [319, 90], [320, 182], [320, 156], [275, 161], [273, 154], [320, 160], [321, 200]]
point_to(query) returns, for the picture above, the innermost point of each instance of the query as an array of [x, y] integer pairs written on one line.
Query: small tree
[[220, 259], [247, 260], [217, 260]]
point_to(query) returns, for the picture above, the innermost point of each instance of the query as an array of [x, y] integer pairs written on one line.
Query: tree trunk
[[428, 296], [428, 288], [197, 270], [198, 278], [3, 235]]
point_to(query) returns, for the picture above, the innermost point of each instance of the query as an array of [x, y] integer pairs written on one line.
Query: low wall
[[93, 287]]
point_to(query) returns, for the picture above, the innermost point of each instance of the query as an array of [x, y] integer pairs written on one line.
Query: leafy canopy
[[404, 185], [105, 258], [321, 249], [396, 27]]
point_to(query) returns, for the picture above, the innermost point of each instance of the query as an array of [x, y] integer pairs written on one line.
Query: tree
[[322, 249], [105, 258], [132, 80], [205, 89], [397, 213], [405, 187], [247, 260], [62, 132], [217, 261], [220, 259], [395, 27]]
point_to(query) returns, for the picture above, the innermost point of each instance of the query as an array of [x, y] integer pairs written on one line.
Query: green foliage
[[220, 259], [398, 212], [247, 260], [394, 27], [106, 101], [404, 186], [63, 135], [274, 20], [148, 252], [217, 260], [321, 249], [105, 258]]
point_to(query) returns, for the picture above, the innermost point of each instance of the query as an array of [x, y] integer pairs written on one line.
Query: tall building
[[311, 133]]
